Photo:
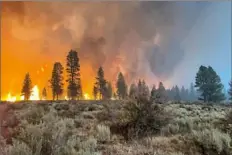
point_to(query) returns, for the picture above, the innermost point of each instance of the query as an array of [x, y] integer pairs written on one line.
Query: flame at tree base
[[34, 96]]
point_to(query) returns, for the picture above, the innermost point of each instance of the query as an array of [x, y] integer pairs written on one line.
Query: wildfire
[[34, 96], [11, 98], [86, 96], [35, 93]]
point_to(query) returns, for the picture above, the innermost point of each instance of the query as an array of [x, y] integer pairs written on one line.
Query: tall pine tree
[[73, 72], [177, 96], [56, 80], [95, 92], [101, 83], [153, 93], [109, 90], [121, 86], [230, 91], [27, 86], [209, 85], [133, 91], [161, 94], [44, 94]]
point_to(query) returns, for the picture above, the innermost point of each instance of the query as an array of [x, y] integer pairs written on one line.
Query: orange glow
[[11, 98], [86, 96], [35, 93]]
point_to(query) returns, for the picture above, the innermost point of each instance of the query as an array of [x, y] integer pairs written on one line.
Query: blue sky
[[208, 43]]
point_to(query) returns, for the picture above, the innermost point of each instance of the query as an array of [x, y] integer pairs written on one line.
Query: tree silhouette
[[27, 86], [44, 93], [121, 86], [56, 80], [101, 83]]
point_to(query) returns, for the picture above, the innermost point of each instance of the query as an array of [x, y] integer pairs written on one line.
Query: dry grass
[[99, 128]]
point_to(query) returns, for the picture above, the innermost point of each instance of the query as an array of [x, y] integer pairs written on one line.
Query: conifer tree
[[209, 85], [153, 93], [101, 83], [27, 86], [73, 71], [56, 80], [133, 91], [109, 90], [230, 91], [44, 93], [177, 94], [121, 86], [161, 94], [95, 92], [192, 93]]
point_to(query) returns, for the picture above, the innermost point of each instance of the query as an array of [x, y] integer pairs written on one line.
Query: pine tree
[[209, 85], [230, 91], [145, 90], [44, 94], [109, 90], [56, 80], [161, 94], [101, 83], [121, 86], [133, 91], [192, 93], [73, 71], [153, 93], [177, 96], [95, 92], [27, 86]]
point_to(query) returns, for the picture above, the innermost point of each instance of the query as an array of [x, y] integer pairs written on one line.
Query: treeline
[[207, 87]]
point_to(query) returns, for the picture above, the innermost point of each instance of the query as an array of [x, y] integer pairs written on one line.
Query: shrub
[[103, 133], [213, 141], [141, 118], [229, 117]]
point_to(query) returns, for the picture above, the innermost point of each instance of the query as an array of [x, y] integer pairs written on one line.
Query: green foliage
[[56, 80], [230, 90], [73, 71], [143, 90], [177, 94], [141, 119], [27, 86], [209, 85], [133, 91], [121, 86], [161, 96]]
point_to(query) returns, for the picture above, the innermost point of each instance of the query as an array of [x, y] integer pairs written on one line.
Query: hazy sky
[[208, 43], [155, 41]]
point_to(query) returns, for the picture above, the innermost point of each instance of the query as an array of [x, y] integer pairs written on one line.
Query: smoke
[[140, 39]]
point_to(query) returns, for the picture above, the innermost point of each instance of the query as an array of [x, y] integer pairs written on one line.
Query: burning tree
[[121, 86], [57, 80], [27, 86], [74, 80]]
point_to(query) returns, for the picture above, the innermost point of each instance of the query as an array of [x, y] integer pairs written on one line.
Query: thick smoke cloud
[[141, 39]]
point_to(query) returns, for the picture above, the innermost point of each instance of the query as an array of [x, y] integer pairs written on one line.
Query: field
[[116, 128]]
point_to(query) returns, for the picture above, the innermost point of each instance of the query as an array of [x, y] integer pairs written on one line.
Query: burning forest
[[115, 78]]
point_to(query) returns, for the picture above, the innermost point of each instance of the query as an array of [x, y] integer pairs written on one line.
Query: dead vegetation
[[120, 127]]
